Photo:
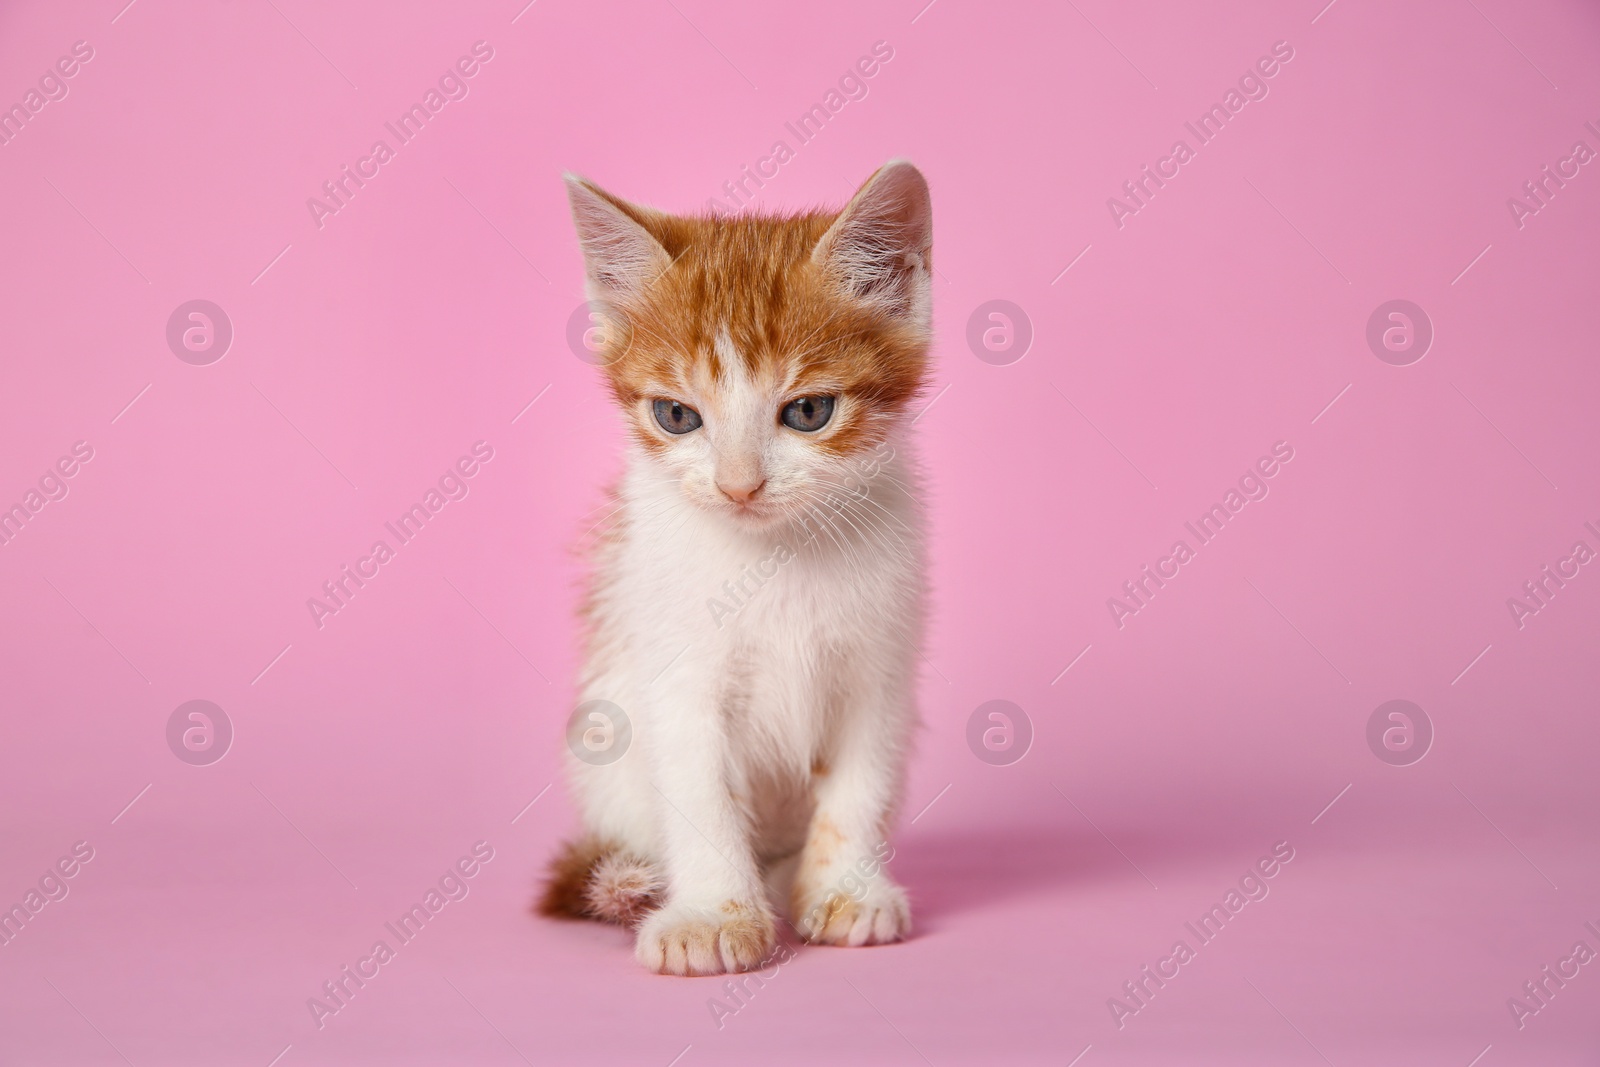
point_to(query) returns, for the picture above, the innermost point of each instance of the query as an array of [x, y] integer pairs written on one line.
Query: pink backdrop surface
[[1172, 343]]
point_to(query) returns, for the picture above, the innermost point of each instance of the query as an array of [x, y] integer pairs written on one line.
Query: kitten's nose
[[741, 492]]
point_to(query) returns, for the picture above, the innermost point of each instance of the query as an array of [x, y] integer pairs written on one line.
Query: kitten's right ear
[[620, 256], [879, 246]]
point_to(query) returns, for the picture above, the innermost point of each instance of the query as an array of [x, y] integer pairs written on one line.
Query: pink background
[[1223, 317]]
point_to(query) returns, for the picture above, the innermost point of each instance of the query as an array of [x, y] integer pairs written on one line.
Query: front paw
[[686, 940], [876, 916]]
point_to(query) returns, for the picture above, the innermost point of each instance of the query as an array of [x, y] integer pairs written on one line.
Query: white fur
[[770, 719], [732, 705]]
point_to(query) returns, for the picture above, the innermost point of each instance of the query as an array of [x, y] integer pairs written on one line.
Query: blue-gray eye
[[675, 417], [808, 414]]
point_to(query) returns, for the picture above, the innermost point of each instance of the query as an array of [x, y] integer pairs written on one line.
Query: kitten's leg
[[842, 895], [716, 918]]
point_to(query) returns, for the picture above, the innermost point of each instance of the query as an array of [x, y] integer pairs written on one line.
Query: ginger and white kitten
[[756, 606]]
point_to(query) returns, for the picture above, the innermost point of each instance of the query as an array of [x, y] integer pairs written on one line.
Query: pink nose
[[741, 493]]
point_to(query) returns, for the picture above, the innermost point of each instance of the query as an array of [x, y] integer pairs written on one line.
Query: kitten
[[756, 607]]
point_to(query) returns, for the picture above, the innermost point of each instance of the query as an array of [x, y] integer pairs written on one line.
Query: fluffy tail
[[593, 879]]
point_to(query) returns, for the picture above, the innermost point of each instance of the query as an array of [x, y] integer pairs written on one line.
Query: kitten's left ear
[[621, 257], [880, 246]]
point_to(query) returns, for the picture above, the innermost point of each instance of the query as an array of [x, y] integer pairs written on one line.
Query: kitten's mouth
[[756, 514], [753, 514]]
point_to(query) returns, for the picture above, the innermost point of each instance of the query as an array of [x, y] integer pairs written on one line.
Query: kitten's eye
[[675, 417], [808, 414]]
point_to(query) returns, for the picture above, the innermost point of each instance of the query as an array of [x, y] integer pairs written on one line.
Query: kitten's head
[[760, 360]]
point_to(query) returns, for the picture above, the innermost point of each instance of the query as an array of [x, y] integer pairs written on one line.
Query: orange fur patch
[[747, 937], [789, 320], [591, 879], [565, 893]]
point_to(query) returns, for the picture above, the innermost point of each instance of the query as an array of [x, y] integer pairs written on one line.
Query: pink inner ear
[[882, 237], [621, 257]]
